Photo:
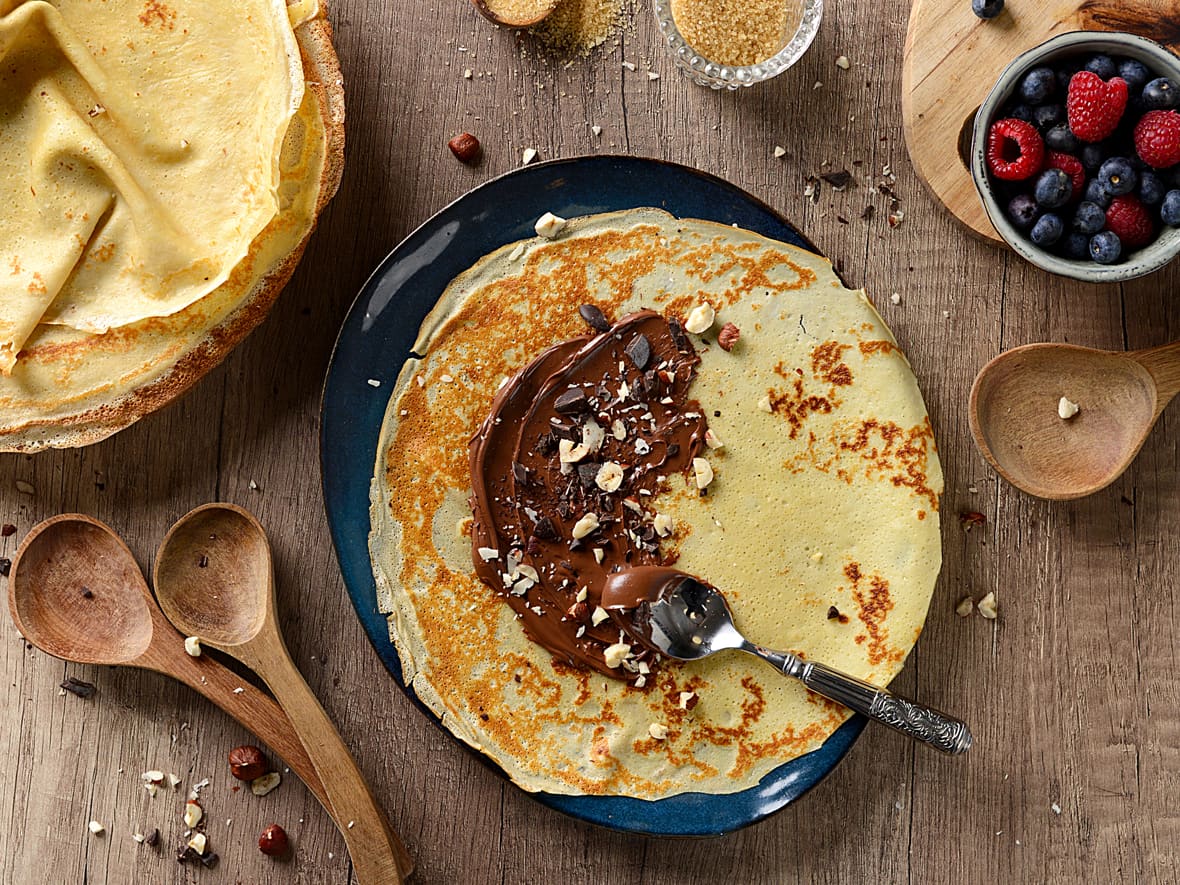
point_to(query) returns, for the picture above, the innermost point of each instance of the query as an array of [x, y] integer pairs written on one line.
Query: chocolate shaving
[[209, 860], [520, 473], [5, 566], [839, 180], [972, 519], [587, 473], [7, 530], [571, 402], [638, 349], [870, 211], [594, 318], [79, 687], [87, 593], [678, 337], [545, 529], [152, 838], [203, 562]]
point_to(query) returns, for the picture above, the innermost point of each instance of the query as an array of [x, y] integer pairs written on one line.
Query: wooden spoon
[[1013, 413], [516, 13], [229, 602], [76, 592]]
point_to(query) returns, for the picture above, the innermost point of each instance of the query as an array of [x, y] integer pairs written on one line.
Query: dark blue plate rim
[[497, 212]]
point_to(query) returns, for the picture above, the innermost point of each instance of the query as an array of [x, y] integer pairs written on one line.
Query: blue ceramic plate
[[376, 339]]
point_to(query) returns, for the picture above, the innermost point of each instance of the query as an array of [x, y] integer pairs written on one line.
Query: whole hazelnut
[[247, 763], [465, 147], [274, 841]]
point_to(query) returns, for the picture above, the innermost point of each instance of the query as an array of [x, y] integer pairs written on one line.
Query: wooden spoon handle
[[378, 855], [252, 708], [1164, 365]]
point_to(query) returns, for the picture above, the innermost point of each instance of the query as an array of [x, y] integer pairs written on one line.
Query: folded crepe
[[159, 161]]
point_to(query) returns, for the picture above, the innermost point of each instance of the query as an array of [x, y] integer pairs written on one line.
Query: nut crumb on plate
[[658, 730]]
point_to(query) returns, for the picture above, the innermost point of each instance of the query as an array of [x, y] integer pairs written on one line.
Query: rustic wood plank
[[1072, 693]]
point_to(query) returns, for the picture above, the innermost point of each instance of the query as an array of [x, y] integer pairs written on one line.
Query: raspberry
[[1072, 167], [1015, 150], [1157, 139], [1094, 107], [1127, 218]]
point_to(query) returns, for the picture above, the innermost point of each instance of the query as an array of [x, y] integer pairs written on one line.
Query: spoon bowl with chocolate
[[684, 618]]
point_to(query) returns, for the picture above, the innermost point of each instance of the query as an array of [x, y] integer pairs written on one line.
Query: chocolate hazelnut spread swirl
[[564, 471]]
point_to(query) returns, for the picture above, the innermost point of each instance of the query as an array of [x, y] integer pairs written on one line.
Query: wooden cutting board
[[952, 59]]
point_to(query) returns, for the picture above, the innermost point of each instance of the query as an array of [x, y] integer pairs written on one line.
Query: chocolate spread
[[564, 470]]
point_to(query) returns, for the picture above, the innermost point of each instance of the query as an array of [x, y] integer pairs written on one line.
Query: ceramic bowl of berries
[[1076, 155]]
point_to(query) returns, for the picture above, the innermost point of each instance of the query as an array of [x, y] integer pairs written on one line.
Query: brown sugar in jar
[[736, 32]]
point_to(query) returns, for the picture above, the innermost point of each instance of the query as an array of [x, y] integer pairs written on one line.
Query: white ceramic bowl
[[1135, 264]]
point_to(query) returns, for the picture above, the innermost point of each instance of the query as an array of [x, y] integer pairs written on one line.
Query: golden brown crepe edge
[[322, 76]]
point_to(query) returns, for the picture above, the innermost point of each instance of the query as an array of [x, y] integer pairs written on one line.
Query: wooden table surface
[[1073, 692]]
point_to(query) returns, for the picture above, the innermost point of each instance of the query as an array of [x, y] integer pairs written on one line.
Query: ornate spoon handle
[[922, 723]]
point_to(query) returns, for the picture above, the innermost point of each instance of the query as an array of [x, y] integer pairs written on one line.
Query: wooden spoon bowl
[[90, 612], [1013, 414]]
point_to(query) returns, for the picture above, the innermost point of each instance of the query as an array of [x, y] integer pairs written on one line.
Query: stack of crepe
[[161, 167]]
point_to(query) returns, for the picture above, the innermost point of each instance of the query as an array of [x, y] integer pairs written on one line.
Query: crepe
[[178, 162], [820, 526]]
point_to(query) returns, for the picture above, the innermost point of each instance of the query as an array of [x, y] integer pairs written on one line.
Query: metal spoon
[[76, 592], [686, 619], [215, 580], [1013, 413]]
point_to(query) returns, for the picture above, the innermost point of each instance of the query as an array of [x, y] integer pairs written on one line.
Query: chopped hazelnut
[[764, 404], [192, 646], [712, 440], [609, 477], [1066, 409], [585, 526], [703, 472], [700, 319], [662, 523], [728, 337], [599, 615], [192, 813], [273, 841], [198, 842], [549, 225], [658, 730], [965, 607], [988, 607], [465, 147], [688, 700], [614, 655], [247, 763], [96, 828], [260, 786]]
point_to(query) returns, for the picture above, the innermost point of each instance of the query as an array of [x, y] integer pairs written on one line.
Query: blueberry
[[1037, 85], [1095, 193], [1060, 138], [1118, 176], [1103, 66], [1065, 74], [1135, 72], [1170, 210], [1047, 230], [987, 8], [1089, 218], [1053, 188], [1023, 211], [1021, 112], [1159, 95], [1076, 246], [1151, 189], [1092, 156], [1106, 247], [1049, 115]]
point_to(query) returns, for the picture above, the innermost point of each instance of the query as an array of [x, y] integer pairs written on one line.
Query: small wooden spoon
[[531, 13], [229, 602], [1013, 413], [76, 592]]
